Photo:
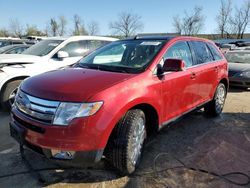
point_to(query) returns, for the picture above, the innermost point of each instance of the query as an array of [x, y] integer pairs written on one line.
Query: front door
[[179, 88]]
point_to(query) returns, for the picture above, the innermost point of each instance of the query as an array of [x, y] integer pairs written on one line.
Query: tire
[[215, 107], [8, 94], [125, 145]]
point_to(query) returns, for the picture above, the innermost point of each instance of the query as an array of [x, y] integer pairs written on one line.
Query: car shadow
[[237, 89], [219, 145]]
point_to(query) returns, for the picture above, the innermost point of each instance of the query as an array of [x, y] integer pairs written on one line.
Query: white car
[[49, 54]]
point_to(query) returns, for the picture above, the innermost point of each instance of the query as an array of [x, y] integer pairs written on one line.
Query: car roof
[[165, 37], [83, 37]]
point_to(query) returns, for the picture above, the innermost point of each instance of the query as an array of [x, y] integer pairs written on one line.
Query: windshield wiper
[[103, 68]]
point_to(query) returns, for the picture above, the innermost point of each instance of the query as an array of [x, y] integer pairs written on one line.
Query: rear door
[[179, 88], [205, 71]]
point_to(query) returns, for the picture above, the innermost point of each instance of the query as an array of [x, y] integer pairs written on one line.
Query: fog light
[[68, 155]]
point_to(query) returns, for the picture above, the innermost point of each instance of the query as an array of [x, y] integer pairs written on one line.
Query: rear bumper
[[79, 158]]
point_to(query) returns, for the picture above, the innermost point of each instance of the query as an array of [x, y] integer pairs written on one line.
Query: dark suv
[[113, 99]]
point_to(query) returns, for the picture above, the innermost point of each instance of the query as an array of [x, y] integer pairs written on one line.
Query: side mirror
[[173, 65], [62, 54]]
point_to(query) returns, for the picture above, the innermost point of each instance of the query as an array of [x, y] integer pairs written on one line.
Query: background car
[[50, 54], [10, 41], [14, 49], [239, 68]]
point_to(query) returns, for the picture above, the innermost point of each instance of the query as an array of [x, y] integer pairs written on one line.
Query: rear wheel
[[126, 142], [215, 107], [8, 94]]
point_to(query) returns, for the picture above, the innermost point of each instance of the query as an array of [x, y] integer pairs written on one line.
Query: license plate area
[[17, 133]]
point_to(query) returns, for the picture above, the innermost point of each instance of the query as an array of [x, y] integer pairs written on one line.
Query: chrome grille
[[38, 109]]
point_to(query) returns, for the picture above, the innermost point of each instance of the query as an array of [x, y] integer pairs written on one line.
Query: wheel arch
[[152, 119], [11, 80], [225, 82]]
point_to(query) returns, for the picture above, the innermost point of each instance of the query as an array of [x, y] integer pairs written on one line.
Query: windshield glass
[[238, 57], [131, 56], [42, 48]]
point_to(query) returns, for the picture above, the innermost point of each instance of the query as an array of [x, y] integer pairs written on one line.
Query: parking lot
[[195, 152]]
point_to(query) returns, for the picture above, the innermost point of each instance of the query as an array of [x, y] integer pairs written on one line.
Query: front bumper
[[240, 82], [44, 139], [80, 158]]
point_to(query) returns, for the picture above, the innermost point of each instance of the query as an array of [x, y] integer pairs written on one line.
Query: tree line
[[126, 25], [232, 22]]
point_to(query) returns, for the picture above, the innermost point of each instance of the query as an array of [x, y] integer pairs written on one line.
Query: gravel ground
[[197, 151]]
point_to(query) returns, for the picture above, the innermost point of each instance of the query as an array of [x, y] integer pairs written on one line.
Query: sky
[[156, 15]]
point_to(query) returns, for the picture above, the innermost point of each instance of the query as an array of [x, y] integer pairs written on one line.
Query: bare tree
[[79, 28], [223, 17], [93, 28], [53, 27], [16, 28], [240, 20], [127, 24], [177, 24], [191, 23], [62, 22]]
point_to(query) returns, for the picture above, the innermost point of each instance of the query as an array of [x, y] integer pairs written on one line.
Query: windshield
[[238, 57], [131, 56], [42, 48], [3, 49]]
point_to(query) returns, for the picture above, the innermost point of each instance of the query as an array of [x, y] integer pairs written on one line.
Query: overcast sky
[[155, 14]]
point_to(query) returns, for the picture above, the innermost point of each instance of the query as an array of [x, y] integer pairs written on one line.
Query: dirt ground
[[197, 151]]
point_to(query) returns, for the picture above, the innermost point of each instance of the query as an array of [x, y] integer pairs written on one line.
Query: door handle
[[193, 75], [216, 68]]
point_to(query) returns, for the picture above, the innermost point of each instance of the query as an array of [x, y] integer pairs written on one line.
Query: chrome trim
[[166, 123], [38, 109]]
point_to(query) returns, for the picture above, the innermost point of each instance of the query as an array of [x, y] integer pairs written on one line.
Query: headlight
[[246, 74], [243, 74], [68, 111]]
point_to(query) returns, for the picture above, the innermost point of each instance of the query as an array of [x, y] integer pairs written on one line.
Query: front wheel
[[8, 94], [126, 142], [215, 107]]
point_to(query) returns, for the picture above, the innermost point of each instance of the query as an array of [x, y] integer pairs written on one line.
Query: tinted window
[[203, 54], [182, 51], [215, 52]]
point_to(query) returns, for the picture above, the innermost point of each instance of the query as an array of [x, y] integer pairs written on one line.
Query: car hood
[[72, 84], [20, 58], [239, 67]]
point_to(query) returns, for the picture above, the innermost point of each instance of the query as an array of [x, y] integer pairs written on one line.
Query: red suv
[[113, 99]]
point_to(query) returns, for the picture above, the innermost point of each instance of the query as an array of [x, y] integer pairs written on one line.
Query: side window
[[180, 50], [202, 53], [215, 52], [77, 48]]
